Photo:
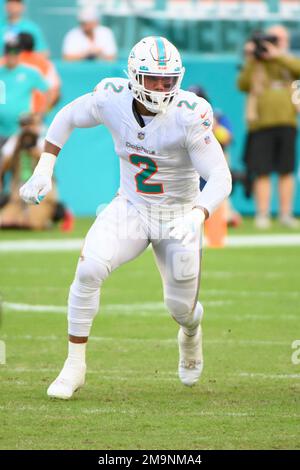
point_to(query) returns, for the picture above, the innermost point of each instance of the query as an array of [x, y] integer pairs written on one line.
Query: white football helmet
[[155, 72]]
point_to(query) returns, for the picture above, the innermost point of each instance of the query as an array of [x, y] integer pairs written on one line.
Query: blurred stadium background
[[209, 33]]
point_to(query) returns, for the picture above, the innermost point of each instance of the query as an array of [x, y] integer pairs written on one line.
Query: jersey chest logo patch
[[141, 135]]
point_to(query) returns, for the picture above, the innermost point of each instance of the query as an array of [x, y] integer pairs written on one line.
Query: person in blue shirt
[[16, 23], [17, 85]]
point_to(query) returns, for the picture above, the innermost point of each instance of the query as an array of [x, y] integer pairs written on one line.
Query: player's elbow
[[223, 180], [228, 183]]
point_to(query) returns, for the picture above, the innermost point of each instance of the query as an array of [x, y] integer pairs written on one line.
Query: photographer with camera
[[271, 115], [19, 157]]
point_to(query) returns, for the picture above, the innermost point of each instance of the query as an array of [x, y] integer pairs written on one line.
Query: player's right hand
[[36, 188], [187, 229]]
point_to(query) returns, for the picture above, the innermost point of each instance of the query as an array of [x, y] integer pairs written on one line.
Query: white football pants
[[119, 234]]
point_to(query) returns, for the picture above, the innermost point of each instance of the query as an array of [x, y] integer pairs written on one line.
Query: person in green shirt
[[20, 155], [16, 23], [17, 85], [268, 77]]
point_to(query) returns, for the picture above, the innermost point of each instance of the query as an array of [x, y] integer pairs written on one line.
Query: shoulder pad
[[109, 86], [192, 110]]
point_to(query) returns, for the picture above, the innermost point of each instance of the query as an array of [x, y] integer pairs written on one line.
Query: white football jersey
[[162, 161], [154, 160]]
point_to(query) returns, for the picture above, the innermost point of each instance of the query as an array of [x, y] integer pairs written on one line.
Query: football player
[[163, 136]]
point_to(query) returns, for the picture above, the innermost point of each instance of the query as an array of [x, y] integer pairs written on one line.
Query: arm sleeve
[[291, 63], [209, 161], [82, 113], [244, 78]]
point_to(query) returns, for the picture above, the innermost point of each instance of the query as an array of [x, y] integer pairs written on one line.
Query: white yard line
[[263, 240], [34, 308], [70, 244], [75, 244], [251, 293], [255, 375]]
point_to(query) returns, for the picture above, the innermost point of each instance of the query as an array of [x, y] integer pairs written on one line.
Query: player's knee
[[91, 273], [179, 310]]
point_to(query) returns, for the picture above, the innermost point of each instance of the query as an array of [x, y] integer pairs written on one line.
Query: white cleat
[[71, 378], [190, 357]]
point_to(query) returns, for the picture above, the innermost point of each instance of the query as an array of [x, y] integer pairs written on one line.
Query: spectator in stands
[[19, 83], [89, 41], [267, 78], [47, 69], [20, 155], [17, 23]]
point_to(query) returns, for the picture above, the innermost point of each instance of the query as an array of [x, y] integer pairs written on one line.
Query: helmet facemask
[[155, 99]]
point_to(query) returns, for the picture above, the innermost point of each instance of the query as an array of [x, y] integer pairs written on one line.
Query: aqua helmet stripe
[[161, 51]]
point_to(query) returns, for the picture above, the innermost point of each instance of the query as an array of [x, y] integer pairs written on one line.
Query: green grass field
[[248, 396]]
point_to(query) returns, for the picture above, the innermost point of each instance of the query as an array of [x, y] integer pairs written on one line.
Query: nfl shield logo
[[141, 135]]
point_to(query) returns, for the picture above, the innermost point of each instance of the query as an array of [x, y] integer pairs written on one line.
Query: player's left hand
[[36, 188], [187, 228]]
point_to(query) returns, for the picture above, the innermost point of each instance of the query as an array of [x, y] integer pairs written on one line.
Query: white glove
[[35, 189], [40, 183], [188, 228]]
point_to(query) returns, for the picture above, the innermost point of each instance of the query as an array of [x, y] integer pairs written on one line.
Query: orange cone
[[215, 228]]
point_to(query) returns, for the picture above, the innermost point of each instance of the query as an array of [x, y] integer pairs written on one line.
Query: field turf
[[248, 396]]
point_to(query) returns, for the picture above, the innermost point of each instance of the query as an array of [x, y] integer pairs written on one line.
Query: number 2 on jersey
[[141, 178]]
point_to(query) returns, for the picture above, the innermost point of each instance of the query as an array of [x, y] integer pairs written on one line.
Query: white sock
[[77, 352]]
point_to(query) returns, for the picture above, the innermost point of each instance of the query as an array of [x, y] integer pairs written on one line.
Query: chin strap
[[137, 115]]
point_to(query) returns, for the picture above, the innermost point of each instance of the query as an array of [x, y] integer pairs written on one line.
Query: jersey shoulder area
[[111, 88], [192, 110]]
